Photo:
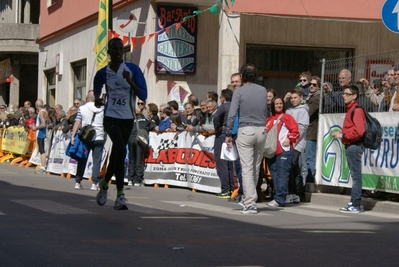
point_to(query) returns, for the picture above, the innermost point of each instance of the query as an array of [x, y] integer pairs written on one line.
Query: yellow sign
[[15, 140], [100, 46]]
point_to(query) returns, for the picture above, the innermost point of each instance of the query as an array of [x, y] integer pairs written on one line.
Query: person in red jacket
[[351, 136], [280, 164]]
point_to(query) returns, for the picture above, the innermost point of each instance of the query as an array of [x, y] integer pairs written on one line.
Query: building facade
[[282, 39], [19, 27]]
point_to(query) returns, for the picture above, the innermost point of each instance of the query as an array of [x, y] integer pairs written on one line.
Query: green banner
[[380, 183]]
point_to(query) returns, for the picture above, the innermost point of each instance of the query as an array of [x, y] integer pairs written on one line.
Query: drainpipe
[[17, 11]]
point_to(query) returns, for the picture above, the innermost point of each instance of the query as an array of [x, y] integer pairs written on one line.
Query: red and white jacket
[[351, 131], [286, 128]]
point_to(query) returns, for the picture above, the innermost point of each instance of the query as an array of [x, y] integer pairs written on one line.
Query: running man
[[123, 82]]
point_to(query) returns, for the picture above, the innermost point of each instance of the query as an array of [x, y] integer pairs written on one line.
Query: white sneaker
[[289, 199], [295, 199], [274, 204], [41, 170], [78, 186], [130, 183], [250, 210], [94, 187]]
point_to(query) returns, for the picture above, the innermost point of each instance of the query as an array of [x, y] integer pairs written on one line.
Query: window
[[292, 59], [51, 2], [50, 97], [79, 82]]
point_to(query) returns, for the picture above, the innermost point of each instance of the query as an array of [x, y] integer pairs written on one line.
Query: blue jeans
[[310, 150], [96, 147], [280, 167], [354, 158]]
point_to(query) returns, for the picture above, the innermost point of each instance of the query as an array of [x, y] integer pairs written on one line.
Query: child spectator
[[164, 125]]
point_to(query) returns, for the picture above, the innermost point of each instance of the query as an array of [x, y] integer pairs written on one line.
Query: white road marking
[[305, 212], [51, 206], [174, 217], [210, 207], [337, 232]]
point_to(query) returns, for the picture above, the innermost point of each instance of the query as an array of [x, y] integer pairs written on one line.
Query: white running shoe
[[129, 183], [295, 199], [78, 186], [274, 204], [94, 187], [289, 199], [40, 170]]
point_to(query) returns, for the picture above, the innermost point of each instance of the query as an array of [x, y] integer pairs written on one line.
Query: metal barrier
[[373, 67]]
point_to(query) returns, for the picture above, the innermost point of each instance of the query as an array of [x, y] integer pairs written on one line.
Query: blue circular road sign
[[390, 15]]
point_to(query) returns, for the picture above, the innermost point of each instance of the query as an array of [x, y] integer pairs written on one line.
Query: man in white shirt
[[89, 114]]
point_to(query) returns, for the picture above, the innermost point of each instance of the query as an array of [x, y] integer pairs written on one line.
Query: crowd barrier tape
[[379, 167]]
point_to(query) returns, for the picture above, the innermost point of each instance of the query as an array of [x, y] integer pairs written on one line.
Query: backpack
[[372, 136]]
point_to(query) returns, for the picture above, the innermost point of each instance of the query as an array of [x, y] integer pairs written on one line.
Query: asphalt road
[[45, 222]]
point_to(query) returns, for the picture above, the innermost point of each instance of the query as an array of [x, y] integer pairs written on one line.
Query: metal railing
[[372, 67]]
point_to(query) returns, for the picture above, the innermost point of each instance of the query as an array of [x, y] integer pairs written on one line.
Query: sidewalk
[[330, 196]]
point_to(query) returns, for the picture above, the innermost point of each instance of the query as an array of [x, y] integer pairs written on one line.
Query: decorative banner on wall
[[175, 49]]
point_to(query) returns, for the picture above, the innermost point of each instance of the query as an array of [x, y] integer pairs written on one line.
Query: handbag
[[142, 136], [269, 150], [87, 132]]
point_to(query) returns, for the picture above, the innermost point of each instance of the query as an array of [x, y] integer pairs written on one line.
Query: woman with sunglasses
[[142, 108], [313, 102]]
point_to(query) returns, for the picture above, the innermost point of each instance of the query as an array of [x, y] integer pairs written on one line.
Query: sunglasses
[[347, 94], [140, 103], [303, 80], [313, 84]]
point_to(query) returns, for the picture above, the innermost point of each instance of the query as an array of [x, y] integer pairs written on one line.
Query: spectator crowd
[[243, 104]]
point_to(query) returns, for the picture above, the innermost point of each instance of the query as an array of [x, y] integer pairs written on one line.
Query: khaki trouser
[[250, 143]]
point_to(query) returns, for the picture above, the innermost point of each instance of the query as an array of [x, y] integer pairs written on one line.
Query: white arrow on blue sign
[[390, 15]]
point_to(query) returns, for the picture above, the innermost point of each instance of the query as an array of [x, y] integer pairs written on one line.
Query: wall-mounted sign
[[58, 64], [176, 47], [377, 69], [127, 22]]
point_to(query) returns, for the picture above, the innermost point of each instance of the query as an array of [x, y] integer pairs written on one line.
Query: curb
[[341, 200]]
